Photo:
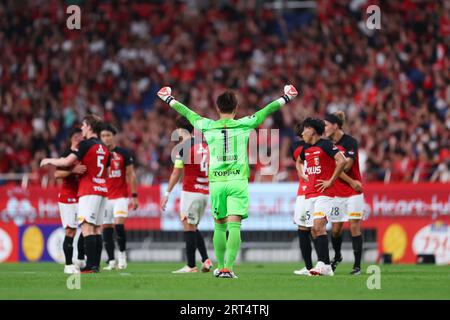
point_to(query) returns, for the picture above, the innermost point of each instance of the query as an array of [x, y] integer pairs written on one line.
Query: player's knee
[[355, 229], [70, 232], [318, 229]]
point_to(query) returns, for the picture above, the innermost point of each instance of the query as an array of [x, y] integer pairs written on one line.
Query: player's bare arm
[[173, 180], [340, 163], [77, 169], [60, 162], [132, 182], [300, 169], [355, 184]]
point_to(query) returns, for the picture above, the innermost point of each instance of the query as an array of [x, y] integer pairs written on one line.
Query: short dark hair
[[227, 102], [298, 129], [110, 128], [95, 122], [317, 124], [183, 123], [74, 131]]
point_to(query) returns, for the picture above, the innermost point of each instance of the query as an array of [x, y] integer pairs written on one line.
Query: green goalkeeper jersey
[[227, 140]]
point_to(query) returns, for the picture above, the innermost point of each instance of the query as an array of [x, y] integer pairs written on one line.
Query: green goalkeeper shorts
[[229, 198]]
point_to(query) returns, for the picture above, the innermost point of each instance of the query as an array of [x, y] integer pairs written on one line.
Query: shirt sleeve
[[128, 158], [351, 148], [302, 154], [179, 161], [329, 148], [83, 148], [258, 117], [195, 119]]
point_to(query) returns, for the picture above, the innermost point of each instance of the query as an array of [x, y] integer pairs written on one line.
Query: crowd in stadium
[[392, 83]]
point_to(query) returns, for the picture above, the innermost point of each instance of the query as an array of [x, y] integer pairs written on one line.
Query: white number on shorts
[[100, 164], [335, 211]]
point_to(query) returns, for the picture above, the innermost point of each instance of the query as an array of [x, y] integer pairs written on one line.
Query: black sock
[[323, 253], [68, 249], [91, 250], [201, 246], [108, 239], [357, 243], [305, 247], [190, 238], [316, 244], [80, 247], [337, 244], [121, 237], [99, 248]]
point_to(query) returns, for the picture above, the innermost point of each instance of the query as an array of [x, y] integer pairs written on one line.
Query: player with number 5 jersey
[[229, 171], [92, 189]]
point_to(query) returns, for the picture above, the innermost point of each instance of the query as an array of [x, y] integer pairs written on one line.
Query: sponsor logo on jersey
[[115, 174], [100, 189], [100, 150], [99, 180], [226, 173], [314, 170]]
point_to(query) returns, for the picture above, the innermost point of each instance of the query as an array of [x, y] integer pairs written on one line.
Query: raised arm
[[61, 162], [258, 118], [165, 95]]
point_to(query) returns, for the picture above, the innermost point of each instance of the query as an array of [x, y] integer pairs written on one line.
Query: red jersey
[[69, 188], [120, 159], [349, 146], [320, 165], [95, 156], [195, 166], [296, 149]]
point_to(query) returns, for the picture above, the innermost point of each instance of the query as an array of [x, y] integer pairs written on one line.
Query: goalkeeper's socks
[[337, 244], [323, 252], [191, 238], [80, 247], [98, 249], [200, 243], [357, 243], [305, 247], [220, 243], [108, 239], [91, 251], [233, 243], [68, 249], [121, 237]]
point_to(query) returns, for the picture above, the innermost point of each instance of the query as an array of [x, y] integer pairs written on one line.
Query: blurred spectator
[[393, 84]]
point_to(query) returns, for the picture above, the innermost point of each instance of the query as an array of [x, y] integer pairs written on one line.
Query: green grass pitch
[[256, 281]]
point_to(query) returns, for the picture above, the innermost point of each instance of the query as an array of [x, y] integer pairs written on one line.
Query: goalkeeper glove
[[165, 95], [289, 93]]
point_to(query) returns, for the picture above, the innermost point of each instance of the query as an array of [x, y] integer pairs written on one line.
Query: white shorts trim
[[91, 209], [352, 207], [192, 206], [320, 207], [69, 214], [115, 208], [302, 217]]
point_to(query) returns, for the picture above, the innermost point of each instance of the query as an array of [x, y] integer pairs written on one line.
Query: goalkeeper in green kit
[[227, 140]]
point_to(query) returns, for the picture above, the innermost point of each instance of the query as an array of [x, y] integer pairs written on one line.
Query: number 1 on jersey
[[225, 141]]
